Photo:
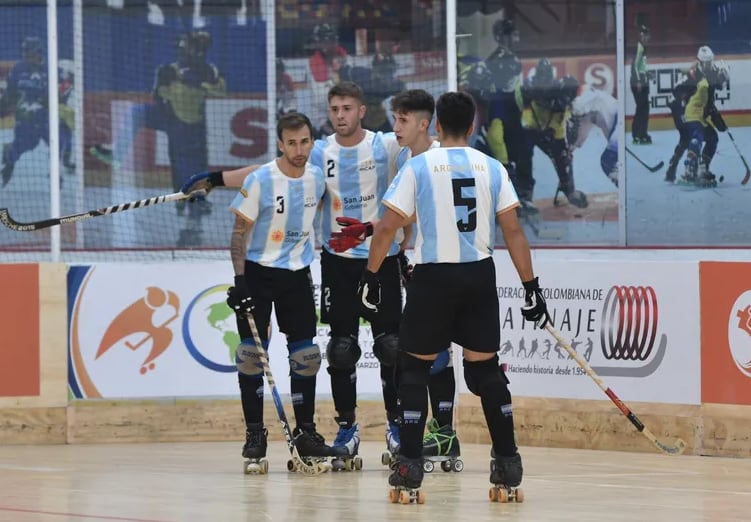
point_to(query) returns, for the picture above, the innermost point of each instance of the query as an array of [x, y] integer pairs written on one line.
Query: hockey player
[[547, 103], [413, 111], [276, 270], [701, 119], [505, 68], [26, 97], [595, 108], [640, 90], [325, 63], [452, 293]]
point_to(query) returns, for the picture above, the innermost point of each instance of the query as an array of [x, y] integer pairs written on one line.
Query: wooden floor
[[173, 482]]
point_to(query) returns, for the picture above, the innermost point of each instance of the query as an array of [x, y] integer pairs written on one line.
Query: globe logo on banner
[[629, 332], [210, 331], [739, 333]]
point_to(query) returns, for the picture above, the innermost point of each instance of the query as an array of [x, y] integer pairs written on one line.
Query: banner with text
[[636, 324]]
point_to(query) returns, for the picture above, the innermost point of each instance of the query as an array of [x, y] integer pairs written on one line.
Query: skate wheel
[[519, 495], [458, 465], [421, 497], [357, 462], [446, 465], [337, 464], [393, 496], [349, 465], [386, 458], [264, 467], [290, 465], [404, 497], [502, 495], [428, 466], [493, 494]]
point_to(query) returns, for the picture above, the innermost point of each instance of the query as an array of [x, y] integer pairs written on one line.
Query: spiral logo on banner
[[628, 331]]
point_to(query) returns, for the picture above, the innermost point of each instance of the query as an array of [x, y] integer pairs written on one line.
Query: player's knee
[[342, 353], [248, 359], [304, 359], [485, 377], [609, 160], [441, 362], [386, 349], [412, 371]]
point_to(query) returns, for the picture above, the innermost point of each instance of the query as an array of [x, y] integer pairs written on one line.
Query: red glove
[[353, 233]]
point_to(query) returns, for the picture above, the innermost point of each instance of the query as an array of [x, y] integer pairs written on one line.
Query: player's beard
[[345, 129]]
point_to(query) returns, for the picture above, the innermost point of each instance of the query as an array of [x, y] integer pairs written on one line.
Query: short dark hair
[[293, 120], [456, 113], [346, 89], [413, 100]]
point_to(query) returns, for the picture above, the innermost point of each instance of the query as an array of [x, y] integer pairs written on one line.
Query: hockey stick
[[31, 226], [747, 176], [654, 168], [678, 446], [297, 463]]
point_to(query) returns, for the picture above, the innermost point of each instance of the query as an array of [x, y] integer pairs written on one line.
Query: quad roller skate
[[312, 448], [388, 457], [440, 444], [344, 449], [254, 450], [505, 477], [406, 481]]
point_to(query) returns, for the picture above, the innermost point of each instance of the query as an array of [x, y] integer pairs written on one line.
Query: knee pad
[[609, 160], [386, 349], [304, 359], [481, 374], [412, 371], [342, 353], [248, 359], [442, 362], [695, 146]]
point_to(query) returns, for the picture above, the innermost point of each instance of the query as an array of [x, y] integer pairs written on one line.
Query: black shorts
[[451, 302], [340, 306], [291, 293]]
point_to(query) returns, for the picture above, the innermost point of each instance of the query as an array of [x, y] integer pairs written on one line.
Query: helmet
[[544, 74], [31, 47], [502, 28], [705, 54], [570, 87], [324, 33]]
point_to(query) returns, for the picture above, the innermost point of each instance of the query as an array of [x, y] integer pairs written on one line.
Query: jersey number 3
[[280, 204], [463, 201]]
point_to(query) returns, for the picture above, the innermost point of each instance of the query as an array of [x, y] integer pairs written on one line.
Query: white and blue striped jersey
[[405, 153], [283, 211], [455, 194], [356, 180]]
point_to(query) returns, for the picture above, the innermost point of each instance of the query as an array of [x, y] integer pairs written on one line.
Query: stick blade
[[743, 182], [657, 167], [677, 448]]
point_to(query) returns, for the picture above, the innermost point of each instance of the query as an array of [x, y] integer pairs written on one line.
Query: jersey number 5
[[462, 201]]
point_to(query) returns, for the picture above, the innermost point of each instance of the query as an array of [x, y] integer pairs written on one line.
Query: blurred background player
[[180, 92], [640, 90], [505, 67], [547, 103], [26, 97], [701, 119], [595, 108], [327, 59], [286, 101]]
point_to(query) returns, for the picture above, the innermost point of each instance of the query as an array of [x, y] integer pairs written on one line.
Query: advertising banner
[[164, 330], [725, 332], [635, 323]]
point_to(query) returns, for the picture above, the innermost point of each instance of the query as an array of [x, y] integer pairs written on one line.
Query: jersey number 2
[[330, 168], [461, 201]]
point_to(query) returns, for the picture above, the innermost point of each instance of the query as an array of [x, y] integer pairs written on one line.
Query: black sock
[[251, 397], [412, 390], [388, 383], [442, 387], [344, 391], [303, 393]]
